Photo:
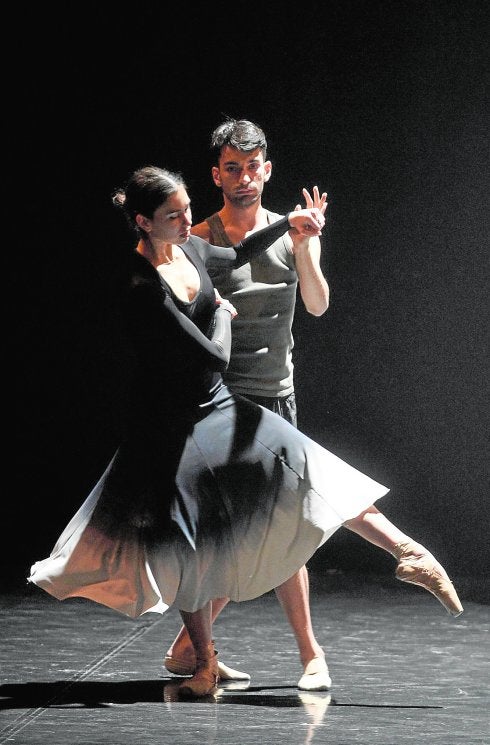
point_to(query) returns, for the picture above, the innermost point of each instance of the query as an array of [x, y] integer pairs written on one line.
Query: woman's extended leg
[[415, 564]]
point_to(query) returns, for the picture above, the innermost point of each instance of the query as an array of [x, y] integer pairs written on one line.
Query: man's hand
[[316, 206], [317, 201]]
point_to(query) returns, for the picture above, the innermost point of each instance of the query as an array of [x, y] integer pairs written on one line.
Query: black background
[[383, 105]]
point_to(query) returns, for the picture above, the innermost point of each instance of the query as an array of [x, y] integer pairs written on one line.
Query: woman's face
[[172, 221]]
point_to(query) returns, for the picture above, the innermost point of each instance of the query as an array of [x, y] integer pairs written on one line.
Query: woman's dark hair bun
[[119, 198]]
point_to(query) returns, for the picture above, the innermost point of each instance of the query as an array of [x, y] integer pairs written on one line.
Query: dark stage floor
[[75, 673]]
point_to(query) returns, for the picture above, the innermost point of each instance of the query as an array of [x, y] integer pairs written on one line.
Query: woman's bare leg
[[377, 529], [199, 626], [182, 646], [181, 658], [416, 564]]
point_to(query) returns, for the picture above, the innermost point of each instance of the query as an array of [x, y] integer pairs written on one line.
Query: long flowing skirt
[[253, 499]]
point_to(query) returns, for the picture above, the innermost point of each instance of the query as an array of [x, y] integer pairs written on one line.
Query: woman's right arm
[[155, 320]]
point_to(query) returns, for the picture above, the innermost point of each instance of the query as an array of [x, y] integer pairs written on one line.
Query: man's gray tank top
[[263, 291]]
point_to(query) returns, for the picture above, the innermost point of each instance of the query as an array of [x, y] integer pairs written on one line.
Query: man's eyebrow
[[236, 162]]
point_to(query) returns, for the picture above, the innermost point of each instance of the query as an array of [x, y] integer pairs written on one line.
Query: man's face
[[241, 175]]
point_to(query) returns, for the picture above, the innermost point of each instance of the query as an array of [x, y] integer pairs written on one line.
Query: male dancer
[[263, 291]]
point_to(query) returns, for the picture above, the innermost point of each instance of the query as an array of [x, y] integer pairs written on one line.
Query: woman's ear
[[143, 223]]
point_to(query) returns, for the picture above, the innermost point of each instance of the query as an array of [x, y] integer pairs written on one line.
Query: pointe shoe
[[316, 676], [186, 665], [418, 567], [205, 680]]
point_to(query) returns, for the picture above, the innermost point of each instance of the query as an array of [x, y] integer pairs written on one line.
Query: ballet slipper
[[316, 676], [418, 567], [186, 665], [205, 680]]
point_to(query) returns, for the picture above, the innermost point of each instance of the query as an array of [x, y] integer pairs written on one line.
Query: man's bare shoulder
[[202, 230]]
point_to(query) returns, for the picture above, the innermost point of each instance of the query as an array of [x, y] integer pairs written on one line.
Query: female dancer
[[208, 496]]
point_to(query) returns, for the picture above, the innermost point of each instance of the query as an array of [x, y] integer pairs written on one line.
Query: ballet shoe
[[205, 680], [418, 567], [316, 676], [186, 665]]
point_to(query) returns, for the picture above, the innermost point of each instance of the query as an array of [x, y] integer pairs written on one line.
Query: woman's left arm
[[307, 222]]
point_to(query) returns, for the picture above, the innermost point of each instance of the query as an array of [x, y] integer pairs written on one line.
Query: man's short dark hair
[[240, 134]]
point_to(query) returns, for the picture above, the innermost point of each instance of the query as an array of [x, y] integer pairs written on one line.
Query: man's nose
[[244, 178]]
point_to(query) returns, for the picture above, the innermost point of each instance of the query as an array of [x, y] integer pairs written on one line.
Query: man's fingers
[[308, 199]]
